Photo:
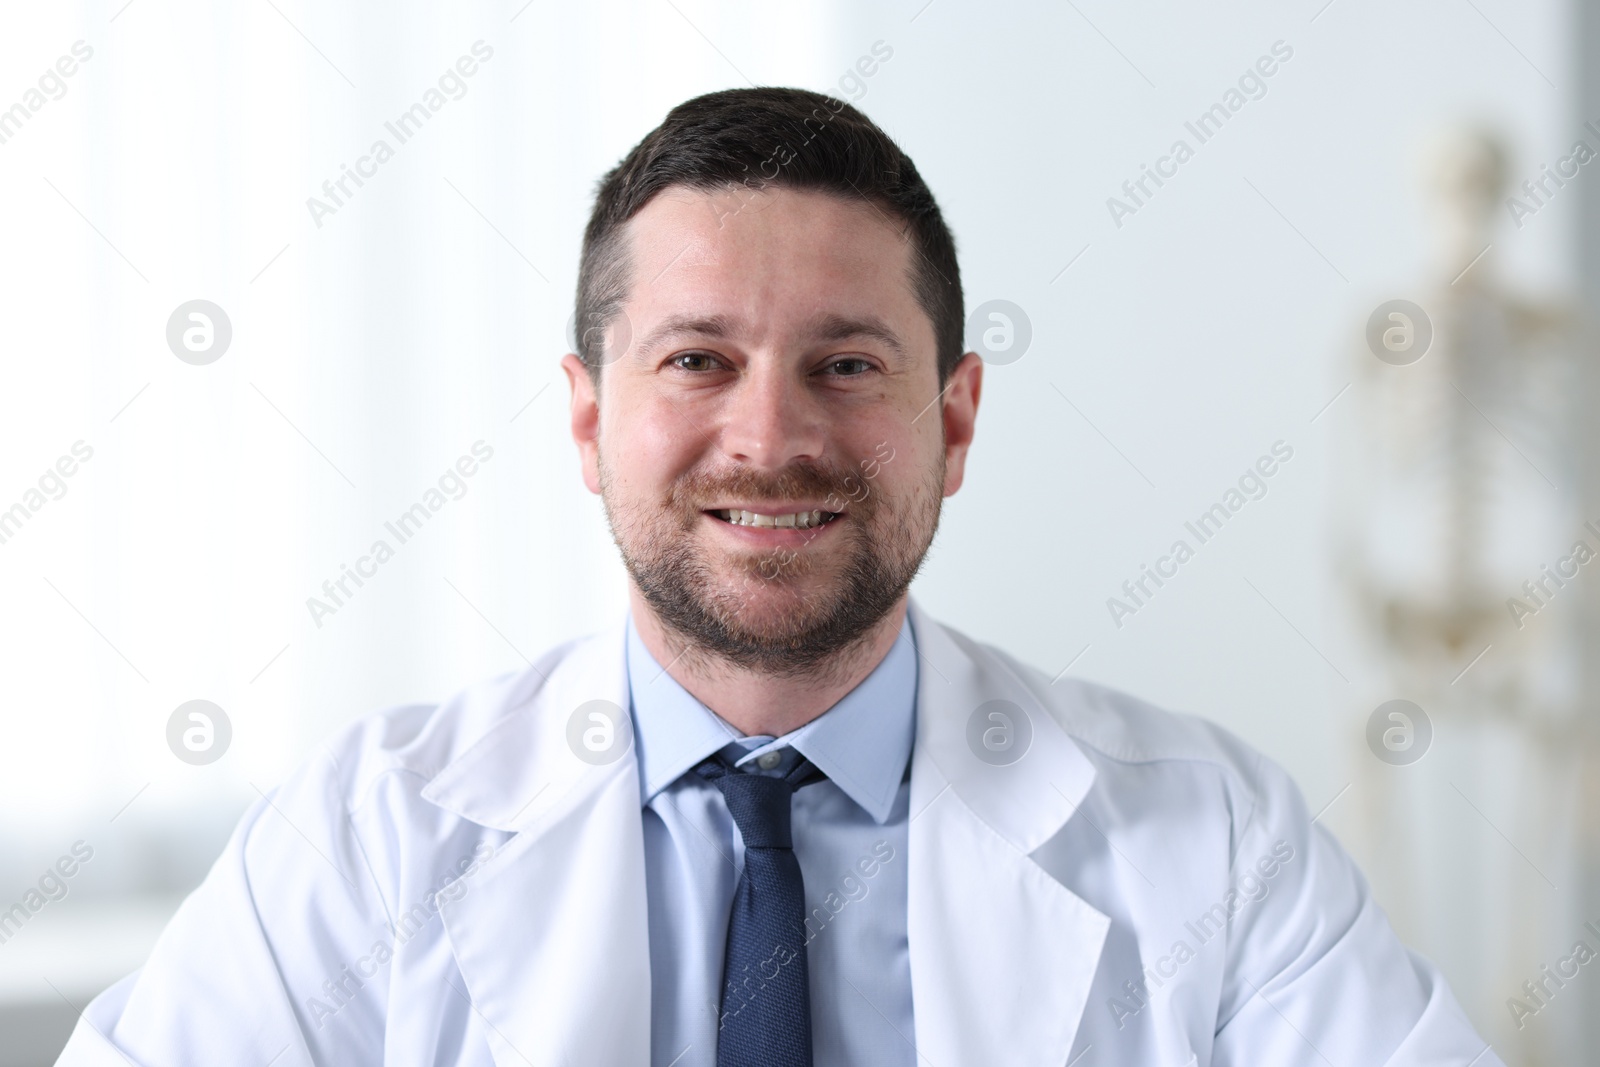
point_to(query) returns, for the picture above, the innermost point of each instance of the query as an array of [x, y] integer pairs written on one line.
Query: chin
[[771, 607]]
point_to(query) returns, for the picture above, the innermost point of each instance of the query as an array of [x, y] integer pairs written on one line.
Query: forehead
[[773, 261]]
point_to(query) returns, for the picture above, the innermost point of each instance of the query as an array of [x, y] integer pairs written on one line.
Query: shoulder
[[1118, 726], [351, 834], [412, 743], [1134, 743], [361, 799]]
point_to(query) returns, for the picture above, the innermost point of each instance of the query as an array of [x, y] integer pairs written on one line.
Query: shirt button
[[768, 760]]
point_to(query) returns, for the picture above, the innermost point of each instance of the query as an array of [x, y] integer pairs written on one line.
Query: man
[[777, 814]]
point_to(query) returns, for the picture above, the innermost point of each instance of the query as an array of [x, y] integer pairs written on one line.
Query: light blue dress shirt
[[849, 836]]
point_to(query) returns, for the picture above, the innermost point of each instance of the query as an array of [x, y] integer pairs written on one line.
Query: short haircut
[[758, 139]]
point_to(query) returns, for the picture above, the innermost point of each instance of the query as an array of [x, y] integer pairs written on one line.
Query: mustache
[[839, 486]]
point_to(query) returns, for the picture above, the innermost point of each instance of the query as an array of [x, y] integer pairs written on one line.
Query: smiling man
[[777, 814]]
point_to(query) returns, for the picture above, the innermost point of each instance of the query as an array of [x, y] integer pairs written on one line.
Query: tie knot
[[759, 805]]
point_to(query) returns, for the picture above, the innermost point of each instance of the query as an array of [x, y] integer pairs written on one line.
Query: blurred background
[[1374, 261]]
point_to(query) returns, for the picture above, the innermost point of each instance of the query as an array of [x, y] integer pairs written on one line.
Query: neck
[[756, 703]]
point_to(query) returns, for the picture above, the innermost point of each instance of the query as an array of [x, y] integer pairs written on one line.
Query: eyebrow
[[842, 328], [718, 326], [825, 328]]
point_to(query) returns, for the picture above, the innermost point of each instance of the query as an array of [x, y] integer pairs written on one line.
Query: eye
[[695, 362], [849, 367]]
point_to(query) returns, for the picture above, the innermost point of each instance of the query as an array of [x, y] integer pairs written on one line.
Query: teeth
[[797, 520]]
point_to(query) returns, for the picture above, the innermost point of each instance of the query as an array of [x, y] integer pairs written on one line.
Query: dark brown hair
[[757, 139]]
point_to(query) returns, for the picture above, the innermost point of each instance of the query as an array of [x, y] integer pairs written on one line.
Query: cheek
[[897, 458], [649, 444]]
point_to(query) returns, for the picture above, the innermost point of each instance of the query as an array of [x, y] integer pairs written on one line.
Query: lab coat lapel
[[551, 936], [1002, 955]]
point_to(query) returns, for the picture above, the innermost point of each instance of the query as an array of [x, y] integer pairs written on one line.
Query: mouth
[[772, 519], [808, 519]]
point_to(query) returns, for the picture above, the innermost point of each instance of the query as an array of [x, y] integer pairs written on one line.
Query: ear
[[960, 415], [585, 419]]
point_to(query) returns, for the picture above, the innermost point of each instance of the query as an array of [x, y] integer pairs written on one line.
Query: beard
[[781, 612]]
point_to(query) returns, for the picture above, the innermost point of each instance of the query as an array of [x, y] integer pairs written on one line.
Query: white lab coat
[[1139, 888]]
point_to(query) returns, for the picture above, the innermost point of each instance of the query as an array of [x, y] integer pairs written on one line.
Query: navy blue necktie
[[765, 1016]]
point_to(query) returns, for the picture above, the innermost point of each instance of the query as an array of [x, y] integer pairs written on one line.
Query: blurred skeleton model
[[1463, 543]]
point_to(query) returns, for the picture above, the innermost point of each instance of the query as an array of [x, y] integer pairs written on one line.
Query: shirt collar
[[862, 743]]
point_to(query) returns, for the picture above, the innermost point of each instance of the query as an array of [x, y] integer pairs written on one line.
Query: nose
[[770, 419]]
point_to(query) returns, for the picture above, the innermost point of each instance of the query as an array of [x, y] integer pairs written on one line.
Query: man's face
[[771, 445]]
